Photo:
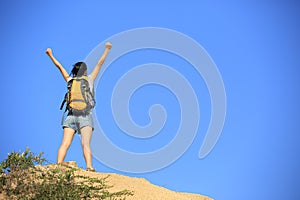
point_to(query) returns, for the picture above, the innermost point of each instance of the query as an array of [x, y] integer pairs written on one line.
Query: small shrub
[[20, 178]]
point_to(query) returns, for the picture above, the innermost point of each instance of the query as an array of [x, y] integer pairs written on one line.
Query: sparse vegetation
[[21, 177]]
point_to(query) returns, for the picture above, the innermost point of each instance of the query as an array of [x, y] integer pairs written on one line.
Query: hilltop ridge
[[142, 188]]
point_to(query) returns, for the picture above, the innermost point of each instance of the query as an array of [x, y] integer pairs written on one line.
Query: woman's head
[[79, 69]]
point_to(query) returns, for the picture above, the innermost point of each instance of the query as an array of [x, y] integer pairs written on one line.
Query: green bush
[[20, 178]]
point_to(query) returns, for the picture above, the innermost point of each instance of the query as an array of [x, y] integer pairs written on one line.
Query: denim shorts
[[78, 122]]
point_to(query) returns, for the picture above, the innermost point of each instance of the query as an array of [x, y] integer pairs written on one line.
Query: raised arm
[[57, 64], [97, 68]]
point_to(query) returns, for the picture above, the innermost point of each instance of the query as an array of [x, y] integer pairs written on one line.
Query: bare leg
[[86, 135], [65, 144]]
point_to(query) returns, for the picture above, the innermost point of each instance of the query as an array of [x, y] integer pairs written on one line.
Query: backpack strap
[[61, 107], [64, 101]]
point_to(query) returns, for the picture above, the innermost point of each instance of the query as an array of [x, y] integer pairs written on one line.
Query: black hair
[[78, 69]]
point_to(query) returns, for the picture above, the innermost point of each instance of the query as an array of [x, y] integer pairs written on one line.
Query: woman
[[81, 124]]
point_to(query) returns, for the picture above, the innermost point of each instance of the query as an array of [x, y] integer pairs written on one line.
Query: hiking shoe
[[90, 169]]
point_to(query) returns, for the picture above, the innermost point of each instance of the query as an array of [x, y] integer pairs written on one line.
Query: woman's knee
[[65, 145], [85, 145]]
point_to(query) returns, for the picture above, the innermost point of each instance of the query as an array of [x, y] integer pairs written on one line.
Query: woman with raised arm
[[79, 118]]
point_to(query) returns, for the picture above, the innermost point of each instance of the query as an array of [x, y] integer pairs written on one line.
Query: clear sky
[[254, 44]]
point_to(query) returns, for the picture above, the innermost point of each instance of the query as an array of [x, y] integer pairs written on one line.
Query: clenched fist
[[49, 51]]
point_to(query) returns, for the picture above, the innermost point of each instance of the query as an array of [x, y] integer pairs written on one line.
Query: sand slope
[[142, 188]]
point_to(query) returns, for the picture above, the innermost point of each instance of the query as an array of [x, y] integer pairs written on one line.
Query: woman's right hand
[[49, 51], [108, 45]]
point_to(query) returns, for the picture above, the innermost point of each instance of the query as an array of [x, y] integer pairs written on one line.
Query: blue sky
[[255, 45]]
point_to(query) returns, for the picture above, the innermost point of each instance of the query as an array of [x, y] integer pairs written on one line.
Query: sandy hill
[[141, 188]]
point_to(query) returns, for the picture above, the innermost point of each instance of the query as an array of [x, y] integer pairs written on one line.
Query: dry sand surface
[[143, 189]]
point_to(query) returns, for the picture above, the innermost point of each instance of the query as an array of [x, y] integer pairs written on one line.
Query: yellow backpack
[[79, 99]]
